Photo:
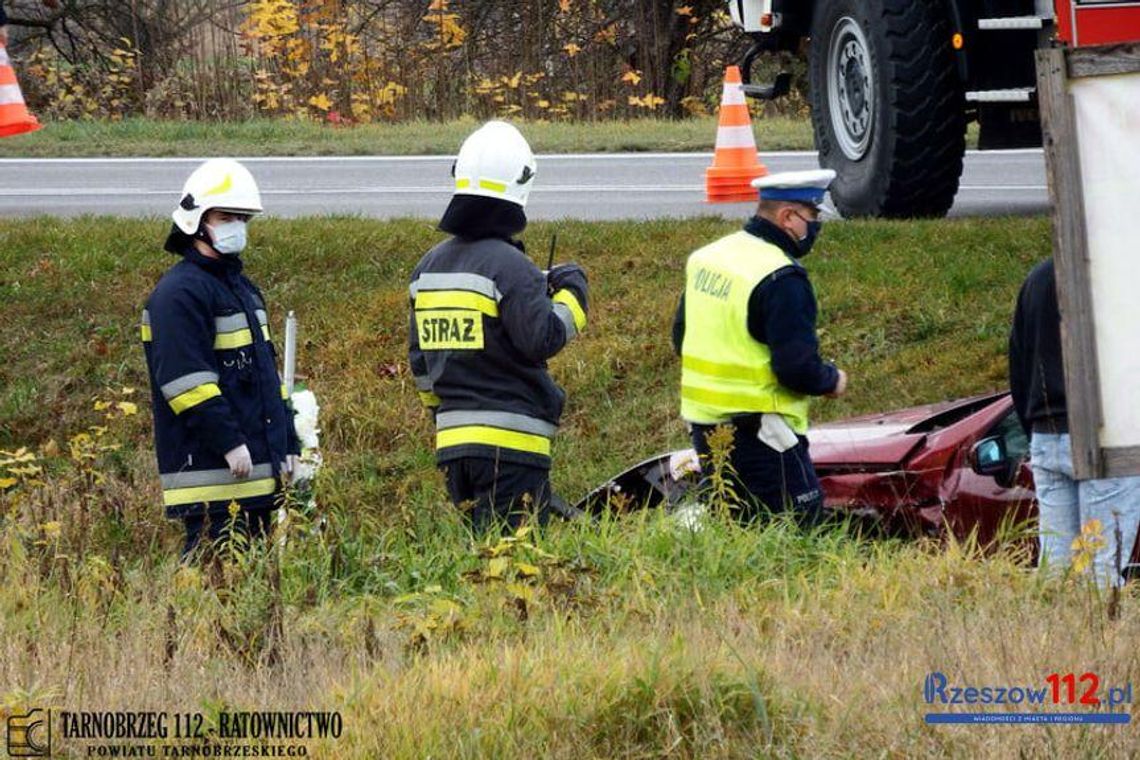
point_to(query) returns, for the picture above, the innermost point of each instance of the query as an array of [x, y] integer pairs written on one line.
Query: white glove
[[289, 467], [840, 386], [240, 462]]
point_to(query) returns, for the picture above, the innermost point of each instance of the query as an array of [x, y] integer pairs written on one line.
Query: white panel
[[1108, 128]]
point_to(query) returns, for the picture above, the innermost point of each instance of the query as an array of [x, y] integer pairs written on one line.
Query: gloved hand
[[840, 386], [240, 461], [289, 468], [569, 276]]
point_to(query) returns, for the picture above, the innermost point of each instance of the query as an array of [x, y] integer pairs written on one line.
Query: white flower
[[306, 419]]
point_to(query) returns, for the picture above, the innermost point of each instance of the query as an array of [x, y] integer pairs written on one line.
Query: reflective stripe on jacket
[[482, 326], [725, 372], [214, 386]]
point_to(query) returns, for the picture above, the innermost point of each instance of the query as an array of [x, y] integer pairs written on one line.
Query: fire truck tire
[[887, 106]]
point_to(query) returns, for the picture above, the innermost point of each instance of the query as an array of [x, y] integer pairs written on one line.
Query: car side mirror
[[989, 457]]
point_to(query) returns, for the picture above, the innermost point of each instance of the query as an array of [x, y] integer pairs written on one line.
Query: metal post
[[290, 352]]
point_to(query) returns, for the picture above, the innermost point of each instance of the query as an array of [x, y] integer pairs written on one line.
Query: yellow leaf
[[519, 591], [572, 49], [127, 391], [528, 569], [52, 528], [101, 406], [513, 82], [543, 104], [685, 10], [1081, 561], [564, 5], [631, 76], [7, 483], [496, 567], [320, 101], [128, 408]]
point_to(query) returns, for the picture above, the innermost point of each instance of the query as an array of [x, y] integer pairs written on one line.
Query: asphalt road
[[589, 186]]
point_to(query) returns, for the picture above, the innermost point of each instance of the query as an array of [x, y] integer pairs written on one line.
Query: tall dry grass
[[630, 638]]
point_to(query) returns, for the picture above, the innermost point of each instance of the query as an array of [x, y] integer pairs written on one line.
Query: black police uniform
[[781, 314]]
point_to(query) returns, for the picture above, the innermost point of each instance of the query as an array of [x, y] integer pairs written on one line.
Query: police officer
[[484, 321], [223, 430], [745, 330]]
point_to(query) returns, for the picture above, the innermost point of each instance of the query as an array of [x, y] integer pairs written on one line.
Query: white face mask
[[229, 238]]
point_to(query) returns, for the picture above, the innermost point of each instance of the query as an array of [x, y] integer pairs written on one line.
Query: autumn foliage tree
[[356, 61]]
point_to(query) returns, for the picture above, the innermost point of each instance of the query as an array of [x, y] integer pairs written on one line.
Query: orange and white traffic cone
[[14, 116], [735, 163]]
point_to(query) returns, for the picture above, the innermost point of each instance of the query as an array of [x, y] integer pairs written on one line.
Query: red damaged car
[[952, 468]]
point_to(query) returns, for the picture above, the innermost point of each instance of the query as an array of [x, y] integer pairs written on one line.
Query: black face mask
[[807, 241]]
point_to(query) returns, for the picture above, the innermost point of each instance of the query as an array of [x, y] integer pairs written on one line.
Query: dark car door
[[992, 506]]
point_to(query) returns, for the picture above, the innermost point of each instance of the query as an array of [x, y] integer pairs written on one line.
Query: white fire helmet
[[495, 161], [220, 183]]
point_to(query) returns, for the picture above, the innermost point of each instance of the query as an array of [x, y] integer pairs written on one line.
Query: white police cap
[[801, 187]]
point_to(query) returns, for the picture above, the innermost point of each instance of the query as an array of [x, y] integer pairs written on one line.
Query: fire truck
[[893, 83]]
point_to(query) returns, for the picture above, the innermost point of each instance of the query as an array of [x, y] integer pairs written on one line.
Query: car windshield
[[950, 416]]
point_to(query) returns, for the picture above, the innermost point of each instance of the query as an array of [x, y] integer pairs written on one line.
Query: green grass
[[628, 639], [267, 137], [905, 308]]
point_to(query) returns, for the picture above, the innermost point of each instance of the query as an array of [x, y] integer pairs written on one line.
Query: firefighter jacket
[[214, 387], [482, 327]]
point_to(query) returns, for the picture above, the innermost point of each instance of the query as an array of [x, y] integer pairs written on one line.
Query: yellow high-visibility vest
[[724, 370]]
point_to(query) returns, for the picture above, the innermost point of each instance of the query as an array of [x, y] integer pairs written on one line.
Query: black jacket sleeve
[[1018, 380], [1036, 364], [527, 312], [782, 314], [183, 354], [3, 15], [416, 361], [679, 326]]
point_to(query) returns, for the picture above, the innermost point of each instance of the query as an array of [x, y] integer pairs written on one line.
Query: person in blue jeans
[[1037, 383]]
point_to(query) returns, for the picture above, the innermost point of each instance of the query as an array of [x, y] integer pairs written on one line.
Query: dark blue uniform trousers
[[766, 481], [492, 492]]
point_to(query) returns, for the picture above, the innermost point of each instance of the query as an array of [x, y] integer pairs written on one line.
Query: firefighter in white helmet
[[484, 321], [223, 430]]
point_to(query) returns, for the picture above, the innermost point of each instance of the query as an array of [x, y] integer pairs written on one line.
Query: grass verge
[[266, 137], [631, 639]]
